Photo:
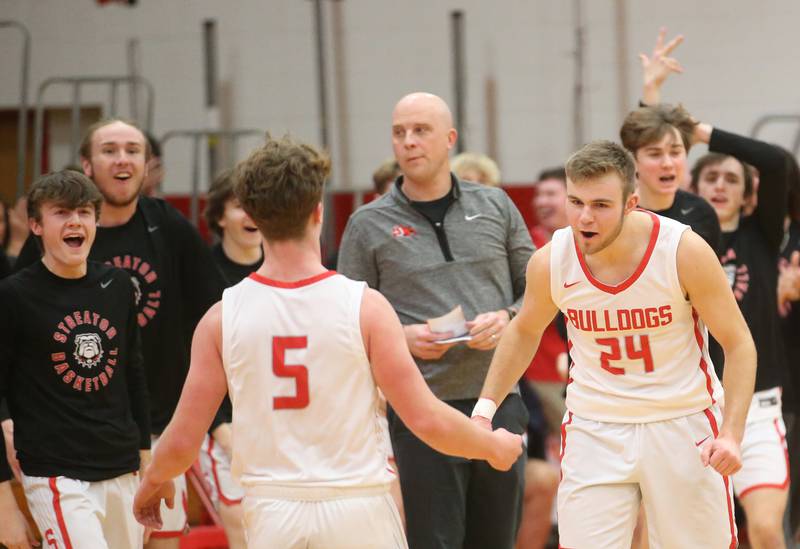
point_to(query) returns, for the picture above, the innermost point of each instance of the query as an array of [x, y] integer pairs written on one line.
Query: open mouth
[[251, 229], [74, 241], [588, 235], [122, 176], [667, 179], [718, 200]]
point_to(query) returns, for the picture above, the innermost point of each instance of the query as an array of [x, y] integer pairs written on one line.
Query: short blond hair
[[466, 162], [599, 158]]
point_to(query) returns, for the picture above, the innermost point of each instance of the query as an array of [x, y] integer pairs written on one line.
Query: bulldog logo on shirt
[[88, 349], [89, 357]]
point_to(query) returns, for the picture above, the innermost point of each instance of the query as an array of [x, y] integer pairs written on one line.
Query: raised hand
[[658, 66]]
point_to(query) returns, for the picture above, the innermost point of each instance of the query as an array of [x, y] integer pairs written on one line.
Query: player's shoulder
[[692, 247]]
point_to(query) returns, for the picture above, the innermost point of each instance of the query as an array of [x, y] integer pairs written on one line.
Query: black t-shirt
[[71, 370], [176, 282], [232, 272], [750, 255], [790, 327], [694, 211], [434, 211], [5, 264]]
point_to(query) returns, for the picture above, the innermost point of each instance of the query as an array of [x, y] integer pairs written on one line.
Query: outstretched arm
[[179, 444], [707, 286], [658, 66], [442, 427], [521, 338]]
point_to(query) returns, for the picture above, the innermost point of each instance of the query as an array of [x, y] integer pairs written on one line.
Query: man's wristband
[[485, 407]]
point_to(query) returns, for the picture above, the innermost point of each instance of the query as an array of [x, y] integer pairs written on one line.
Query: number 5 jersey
[[305, 404], [639, 350]]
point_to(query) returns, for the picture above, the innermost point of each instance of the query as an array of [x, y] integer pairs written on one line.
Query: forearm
[[450, 432], [651, 94], [738, 381], [173, 455], [8, 503], [511, 358], [8, 442]]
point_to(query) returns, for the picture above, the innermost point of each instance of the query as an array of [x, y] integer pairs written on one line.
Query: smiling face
[[117, 162], [596, 211], [661, 165], [67, 235], [723, 186], [422, 136], [550, 204], [238, 230]]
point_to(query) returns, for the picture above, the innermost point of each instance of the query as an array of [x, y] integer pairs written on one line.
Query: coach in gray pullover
[[432, 243]]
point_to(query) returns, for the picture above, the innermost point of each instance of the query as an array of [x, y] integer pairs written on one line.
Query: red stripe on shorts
[[221, 495], [785, 484], [62, 526], [728, 496], [564, 439]]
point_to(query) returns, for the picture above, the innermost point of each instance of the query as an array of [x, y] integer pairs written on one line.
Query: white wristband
[[485, 407]]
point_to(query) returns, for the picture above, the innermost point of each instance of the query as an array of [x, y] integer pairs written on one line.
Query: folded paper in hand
[[454, 322]]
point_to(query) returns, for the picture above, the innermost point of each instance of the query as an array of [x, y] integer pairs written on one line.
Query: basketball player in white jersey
[[302, 349], [644, 420]]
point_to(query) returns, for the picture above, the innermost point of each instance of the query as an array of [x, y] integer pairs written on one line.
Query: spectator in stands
[[17, 223], [789, 310], [476, 167], [238, 253], [155, 168], [171, 267], [659, 137], [384, 176], [431, 243]]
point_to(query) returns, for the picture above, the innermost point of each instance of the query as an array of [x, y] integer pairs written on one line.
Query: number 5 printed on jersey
[[297, 371], [632, 353]]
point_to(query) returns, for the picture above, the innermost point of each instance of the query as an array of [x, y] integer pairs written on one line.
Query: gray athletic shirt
[[395, 250]]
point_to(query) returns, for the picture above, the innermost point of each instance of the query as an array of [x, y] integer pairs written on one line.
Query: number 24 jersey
[[639, 350]]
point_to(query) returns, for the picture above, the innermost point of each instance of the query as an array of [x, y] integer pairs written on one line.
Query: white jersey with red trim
[[639, 350], [305, 404]]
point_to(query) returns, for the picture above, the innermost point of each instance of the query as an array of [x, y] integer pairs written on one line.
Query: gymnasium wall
[[739, 55]]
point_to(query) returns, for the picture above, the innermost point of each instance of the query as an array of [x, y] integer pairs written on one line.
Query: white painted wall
[[740, 58]]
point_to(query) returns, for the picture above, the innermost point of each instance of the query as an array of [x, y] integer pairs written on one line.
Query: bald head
[[424, 102], [422, 138]]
